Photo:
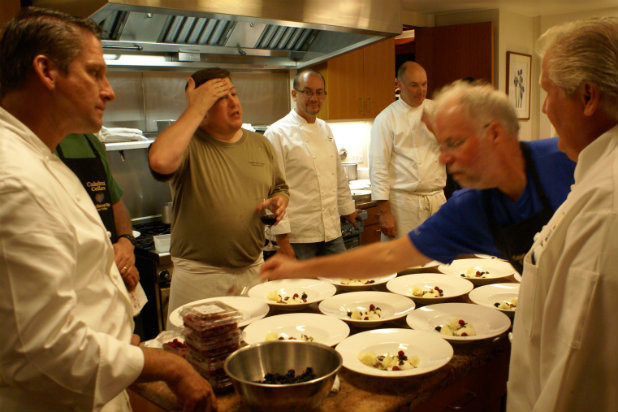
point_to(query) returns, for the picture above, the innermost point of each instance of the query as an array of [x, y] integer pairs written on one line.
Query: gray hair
[[481, 103], [35, 31], [584, 50]]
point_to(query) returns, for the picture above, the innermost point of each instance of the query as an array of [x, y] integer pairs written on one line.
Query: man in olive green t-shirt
[[220, 176]]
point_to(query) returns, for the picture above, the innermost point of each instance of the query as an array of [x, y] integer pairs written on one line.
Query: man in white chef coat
[[565, 337], [308, 158], [407, 178], [65, 312]]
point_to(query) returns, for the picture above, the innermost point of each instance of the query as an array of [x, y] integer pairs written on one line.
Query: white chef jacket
[[565, 338], [64, 310], [404, 155], [319, 191]]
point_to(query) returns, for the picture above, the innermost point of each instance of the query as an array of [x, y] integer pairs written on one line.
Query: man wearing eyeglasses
[[406, 176], [308, 157], [512, 189]]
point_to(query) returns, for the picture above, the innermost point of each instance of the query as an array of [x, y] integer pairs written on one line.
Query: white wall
[[518, 33]]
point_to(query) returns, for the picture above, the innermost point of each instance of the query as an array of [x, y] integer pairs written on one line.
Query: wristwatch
[[128, 236]]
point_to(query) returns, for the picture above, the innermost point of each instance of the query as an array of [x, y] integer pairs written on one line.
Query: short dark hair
[[35, 31], [202, 76], [296, 81]]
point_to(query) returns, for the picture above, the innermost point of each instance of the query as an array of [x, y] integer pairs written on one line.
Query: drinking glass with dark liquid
[[269, 218]]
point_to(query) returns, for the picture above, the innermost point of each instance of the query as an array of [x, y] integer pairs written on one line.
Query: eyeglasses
[[450, 145], [320, 94]]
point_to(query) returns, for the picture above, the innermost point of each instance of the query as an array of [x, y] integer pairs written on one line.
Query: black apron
[[515, 240], [91, 173]]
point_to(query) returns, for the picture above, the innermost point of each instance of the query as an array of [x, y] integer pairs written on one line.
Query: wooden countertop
[[373, 394]]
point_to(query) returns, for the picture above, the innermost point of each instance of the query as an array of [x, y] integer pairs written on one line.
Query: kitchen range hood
[[236, 34]]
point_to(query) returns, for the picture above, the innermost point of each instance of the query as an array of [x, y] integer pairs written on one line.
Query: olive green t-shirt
[[215, 193]]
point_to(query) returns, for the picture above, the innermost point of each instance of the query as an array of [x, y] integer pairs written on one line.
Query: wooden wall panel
[[449, 53]]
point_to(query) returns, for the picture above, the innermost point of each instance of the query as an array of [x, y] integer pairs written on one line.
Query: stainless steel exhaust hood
[[243, 34]]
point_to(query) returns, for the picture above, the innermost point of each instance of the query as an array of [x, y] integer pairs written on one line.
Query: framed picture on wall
[[518, 82]]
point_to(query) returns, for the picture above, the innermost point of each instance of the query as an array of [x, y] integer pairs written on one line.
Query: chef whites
[[70, 351]]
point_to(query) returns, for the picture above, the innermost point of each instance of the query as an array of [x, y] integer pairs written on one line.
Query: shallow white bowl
[[340, 282], [316, 290], [488, 295], [487, 322], [433, 351], [451, 286], [498, 269], [393, 306], [251, 309], [323, 329]]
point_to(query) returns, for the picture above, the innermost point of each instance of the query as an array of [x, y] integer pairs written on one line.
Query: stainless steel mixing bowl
[[247, 366]]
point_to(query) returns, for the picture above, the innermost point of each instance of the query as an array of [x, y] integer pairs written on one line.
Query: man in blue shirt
[[513, 189]]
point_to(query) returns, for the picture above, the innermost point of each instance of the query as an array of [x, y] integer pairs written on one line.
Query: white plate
[[488, 295], [323, 329], [380, 280], [486, 321], [316, 290], [433, 351], [497, 269], [420, 268], [250, 309], [393, 306], [451, 286], [517, 277]]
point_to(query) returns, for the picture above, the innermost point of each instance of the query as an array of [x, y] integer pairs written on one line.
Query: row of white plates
[[330, 327]]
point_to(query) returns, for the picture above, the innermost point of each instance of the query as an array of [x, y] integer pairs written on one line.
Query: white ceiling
[[530, 8]]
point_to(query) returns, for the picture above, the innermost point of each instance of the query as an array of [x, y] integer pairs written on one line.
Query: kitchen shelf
[[138, 144]]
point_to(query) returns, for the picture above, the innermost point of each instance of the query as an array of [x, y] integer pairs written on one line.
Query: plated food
[[394, 352], [427, 288], [359, 284], [502, 296], [250, 309], [389, 362], [292, 294], [297, 326], [479, 271], [367, 308], [485, 322]]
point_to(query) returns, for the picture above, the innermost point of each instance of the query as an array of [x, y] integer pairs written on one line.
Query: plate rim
[[462, 339], [368, 322], [368, 371], [293, 306], [385, 279], [289, 315], [446, 269], [421, 299], [241, 324], [489, 286]]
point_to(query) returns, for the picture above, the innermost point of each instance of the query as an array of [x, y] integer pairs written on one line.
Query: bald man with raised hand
[[407, 179]]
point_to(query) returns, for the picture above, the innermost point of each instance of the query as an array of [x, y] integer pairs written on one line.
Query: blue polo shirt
[[461, 226]]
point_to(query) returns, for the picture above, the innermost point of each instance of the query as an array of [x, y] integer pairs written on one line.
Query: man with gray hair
[[513, 188], [565, 339]]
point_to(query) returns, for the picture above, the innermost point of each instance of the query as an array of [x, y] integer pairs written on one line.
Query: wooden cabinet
[[371, 229], [359, 83]]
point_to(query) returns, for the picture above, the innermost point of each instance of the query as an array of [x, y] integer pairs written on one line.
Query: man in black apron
[[84, 154]]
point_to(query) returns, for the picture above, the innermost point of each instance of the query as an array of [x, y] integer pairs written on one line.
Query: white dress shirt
[[319, 191], [404, 155], [64, 310], [565, 337]]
